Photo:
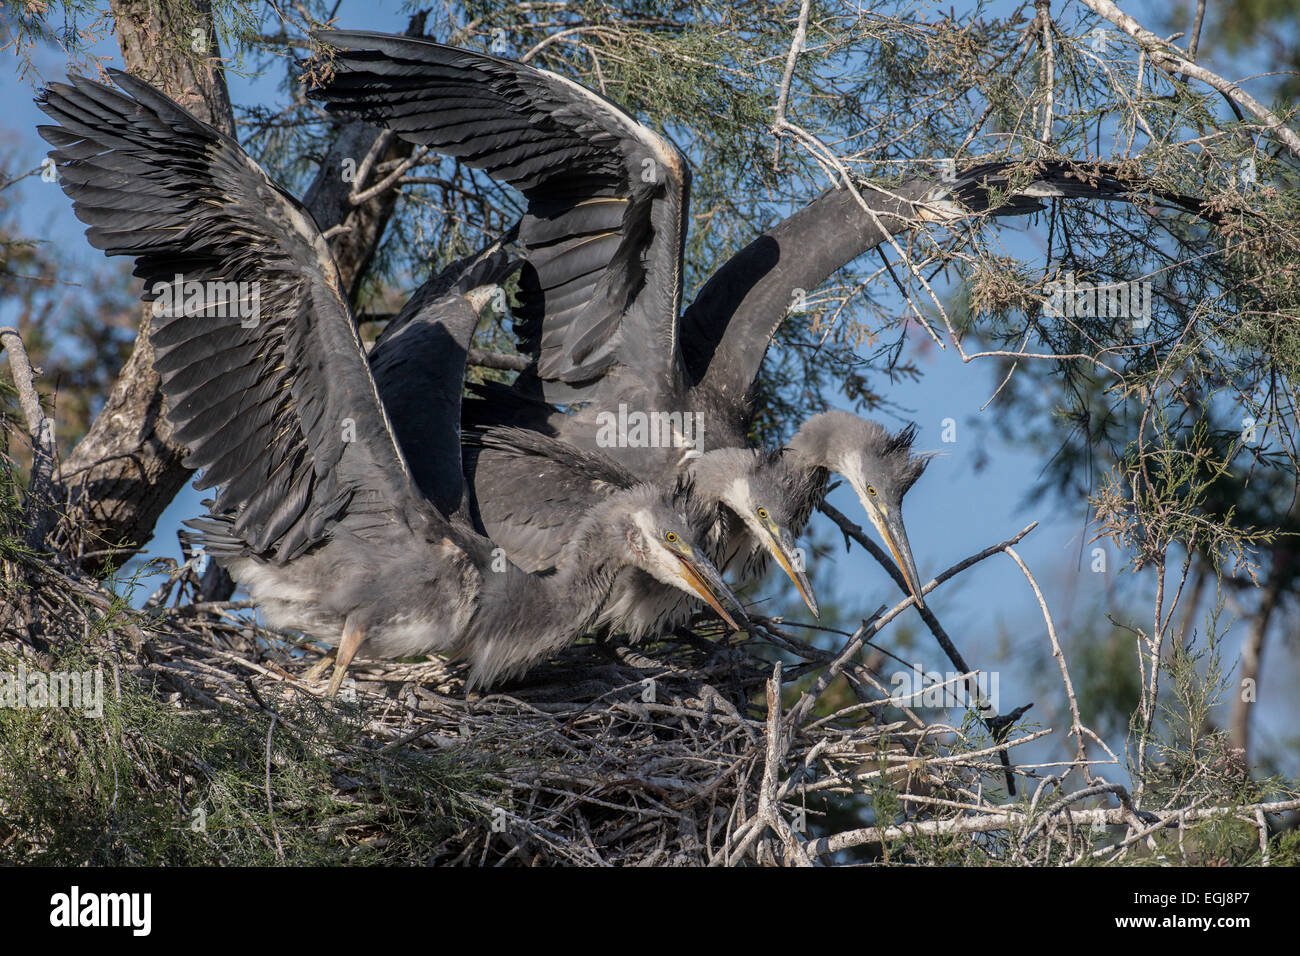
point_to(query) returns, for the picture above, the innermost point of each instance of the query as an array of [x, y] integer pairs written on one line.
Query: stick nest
[[696, 750]]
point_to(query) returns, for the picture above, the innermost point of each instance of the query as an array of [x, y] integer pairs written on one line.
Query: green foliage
[[150, 783]]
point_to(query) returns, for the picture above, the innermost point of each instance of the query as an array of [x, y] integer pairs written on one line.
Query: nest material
[[697, 750]]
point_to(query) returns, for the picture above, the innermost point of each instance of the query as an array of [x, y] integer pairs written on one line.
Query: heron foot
[[317, 670], [353, 637]]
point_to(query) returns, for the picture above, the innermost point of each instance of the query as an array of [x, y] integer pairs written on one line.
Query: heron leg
[[317, 670], [353, 636]]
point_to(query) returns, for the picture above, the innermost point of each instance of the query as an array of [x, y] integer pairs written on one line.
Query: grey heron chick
[[318, 512], [879, 466], [759, 496], [746, 501]]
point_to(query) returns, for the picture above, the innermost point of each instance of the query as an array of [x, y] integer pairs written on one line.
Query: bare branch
[[40, 513], [1169, 59]]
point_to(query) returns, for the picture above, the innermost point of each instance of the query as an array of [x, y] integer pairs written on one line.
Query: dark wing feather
[[533, 490], [524, 442], [418, 364], [603, 233], [266, 379]]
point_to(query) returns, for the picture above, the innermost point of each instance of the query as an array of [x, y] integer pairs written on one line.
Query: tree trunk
[[328, 201], [178, 53], [1252, 651]]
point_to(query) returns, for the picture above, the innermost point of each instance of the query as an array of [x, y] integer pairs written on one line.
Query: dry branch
[[1173, 62], [40, 512]]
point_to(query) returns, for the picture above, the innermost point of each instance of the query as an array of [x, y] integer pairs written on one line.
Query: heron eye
[[871, 491], [671, 537], [762, 512]]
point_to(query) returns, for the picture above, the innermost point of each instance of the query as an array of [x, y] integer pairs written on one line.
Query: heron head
[[881, 468], [764, 496], [661, 542]]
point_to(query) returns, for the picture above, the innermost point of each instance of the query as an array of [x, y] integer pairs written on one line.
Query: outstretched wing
[[607, 197], [418, 363], [265, 378]]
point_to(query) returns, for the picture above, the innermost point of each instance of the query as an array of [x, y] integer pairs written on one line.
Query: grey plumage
[[606, 196], [879, 466], [598, 155], [742, 502], [318, 512], [418, 368]]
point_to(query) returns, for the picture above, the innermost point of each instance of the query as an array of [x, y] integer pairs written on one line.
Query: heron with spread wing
[[746, 499], [600, 295], [318, 511]]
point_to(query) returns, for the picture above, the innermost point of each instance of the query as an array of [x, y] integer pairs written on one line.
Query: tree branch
[[1170, 60], [40, 514]]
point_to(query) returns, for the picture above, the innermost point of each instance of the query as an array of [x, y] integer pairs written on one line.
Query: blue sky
[[972, 496]]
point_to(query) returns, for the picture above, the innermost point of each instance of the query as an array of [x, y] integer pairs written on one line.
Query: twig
[[270, 806], [1076, 726], [1170, 60], [1010, 819], [1048, 74], [40, 514], [792, 57], [987, 713], [498, 360], [360, 198]]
